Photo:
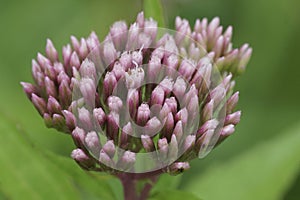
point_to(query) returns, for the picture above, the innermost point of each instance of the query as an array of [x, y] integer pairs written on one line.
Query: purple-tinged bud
[[159, 53], [109, 148], [51, 51], [182, 115], [193, 107], [227, 82], [92, 143], [39, 103], [208, 110], [134, 78], [144, 41], [133, 34], [178, 131], [157, 96], [88, 90], [187, 68], [244, 60], [231, 102], [231, 56], [228, 32], [127, 161], [74, 60], [133, 101], [171, 63], [227, 130], [153, 126], [109, 84], [53, 106], [78, 136], [233, 118], [82, 159], [189, 143], [50, 87], [219, 46], [114, 103], [75, 43], [148, 143], [163, 148], [92, 41], [43, 61], [88, 70], [172, 104], [167, 85], [189, 94], [209, 125], [213, 25], [194, 52], [171, 47], [218, 94], [153, 68], [99, 116], [105, 159], [150, 28], [83, 49], [70, 119], [168, 126], [197, 26], [118, 70], [113, 126], [204, 143], [143, 114], [36, 68], [163, 111], [29, 89], [59, 122], [66, 53], [140, 19], [84, 119], [173, 149], [118, 33], [178, 167], [62, 76], [126, 60], [183, 29], [179, 88], [137, 57], [109, 53], [127, 129], [48, 120], [65, 94]]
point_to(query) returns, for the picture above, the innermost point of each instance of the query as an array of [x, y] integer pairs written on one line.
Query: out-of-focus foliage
[[269, 100]]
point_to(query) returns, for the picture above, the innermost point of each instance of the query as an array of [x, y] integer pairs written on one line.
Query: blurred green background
[[262, 159]]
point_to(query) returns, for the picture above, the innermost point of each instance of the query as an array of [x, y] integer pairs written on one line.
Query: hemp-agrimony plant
[[143, 102]]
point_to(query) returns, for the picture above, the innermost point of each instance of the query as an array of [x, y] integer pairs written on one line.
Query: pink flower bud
[[39, 104], [118, 33], [233, 118], [99, 116], [109, 148], [92, 143], [143, 114], [51, 51], [82, 159]]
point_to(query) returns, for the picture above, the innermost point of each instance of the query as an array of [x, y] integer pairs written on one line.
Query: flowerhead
[[145, 98]]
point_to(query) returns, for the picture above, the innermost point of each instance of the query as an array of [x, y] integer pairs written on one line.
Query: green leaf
[[166, 182], [264, 172], [154, 9], [29, 173], [174, 195]]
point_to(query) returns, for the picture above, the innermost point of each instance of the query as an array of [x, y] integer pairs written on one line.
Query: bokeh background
[[262, 159]]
